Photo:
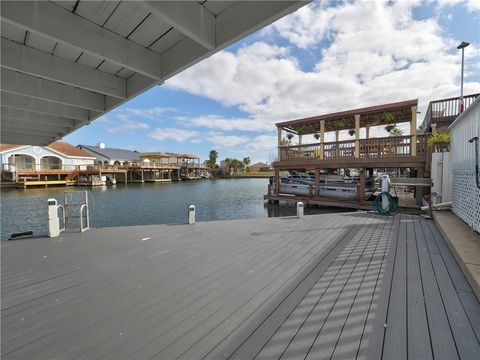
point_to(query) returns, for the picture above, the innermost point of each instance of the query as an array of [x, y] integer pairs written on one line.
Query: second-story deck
[[360, 150]]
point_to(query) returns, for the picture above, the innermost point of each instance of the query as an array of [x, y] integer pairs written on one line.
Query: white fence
[[465, 193]]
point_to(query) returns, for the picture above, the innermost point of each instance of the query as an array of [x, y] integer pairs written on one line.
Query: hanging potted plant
[[351, 132], [290, 136], [340, 124], [317, 136], [389, 118]]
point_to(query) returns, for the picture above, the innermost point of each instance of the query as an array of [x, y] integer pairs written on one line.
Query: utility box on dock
[[300, 209], [53, 220]]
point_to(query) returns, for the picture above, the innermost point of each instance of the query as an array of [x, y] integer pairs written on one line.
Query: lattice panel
[[466, 198]]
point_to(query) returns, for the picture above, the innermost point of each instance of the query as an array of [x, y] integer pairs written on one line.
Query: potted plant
[[390, 127], [440, 141], [340, 124], [351, 132]]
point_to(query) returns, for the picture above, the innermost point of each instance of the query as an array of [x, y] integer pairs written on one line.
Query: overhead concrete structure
[[65, 63]]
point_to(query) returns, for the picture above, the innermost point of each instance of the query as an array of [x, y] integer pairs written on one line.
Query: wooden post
[[279, 143], [413, 132], [125, 177], [317, 181], [434, 128], [361, 187], [142, 175], [357, 136], [277, 182], [299, 139], [322, 137], [367, 128], [337, 137]]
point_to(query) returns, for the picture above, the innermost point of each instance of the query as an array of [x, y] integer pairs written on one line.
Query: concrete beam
[[17, 101], [36, 118], [28, 126], [39, 63], [23, 84], [55, 22], [17, 138], [188, 17], [19, 130]]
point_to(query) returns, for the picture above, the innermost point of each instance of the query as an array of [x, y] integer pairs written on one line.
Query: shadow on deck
[[324, 286]]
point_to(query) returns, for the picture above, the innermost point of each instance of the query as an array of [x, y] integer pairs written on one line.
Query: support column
[[413, 132], [367, 128], [317, 181], [279, 130], [277, 182], [361, 187], [322, 138], [434, 128], [299, 139], [337, 137], [142, 175], [357, 136]]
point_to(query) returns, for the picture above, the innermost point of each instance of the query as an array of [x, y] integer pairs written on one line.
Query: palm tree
[[213, 158], [396, 132]]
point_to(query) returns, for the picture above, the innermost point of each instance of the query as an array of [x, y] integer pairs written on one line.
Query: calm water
[[139, 204]]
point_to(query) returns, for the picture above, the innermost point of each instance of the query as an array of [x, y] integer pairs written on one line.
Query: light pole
[[462, 46]]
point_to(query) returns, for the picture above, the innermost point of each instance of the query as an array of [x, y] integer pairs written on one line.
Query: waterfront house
[[55, 162], [110, 156], [260, 166]]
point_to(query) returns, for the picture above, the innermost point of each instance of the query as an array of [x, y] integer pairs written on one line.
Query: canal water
[[141, 204]]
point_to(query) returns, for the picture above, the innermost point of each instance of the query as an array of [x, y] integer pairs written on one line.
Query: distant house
[[56, 156], [111, 156], [260, 166]]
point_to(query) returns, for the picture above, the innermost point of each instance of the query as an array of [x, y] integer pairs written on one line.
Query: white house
[[56, 156]]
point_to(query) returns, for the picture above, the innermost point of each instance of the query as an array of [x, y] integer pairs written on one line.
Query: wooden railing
[[446, 110], [374, 148]]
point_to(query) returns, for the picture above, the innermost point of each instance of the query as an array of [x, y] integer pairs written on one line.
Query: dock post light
[[300, 209], [462, 46]]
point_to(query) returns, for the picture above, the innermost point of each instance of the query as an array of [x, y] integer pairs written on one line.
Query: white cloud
[[154, 113], [122, 124], [178, 135], [227, 124]]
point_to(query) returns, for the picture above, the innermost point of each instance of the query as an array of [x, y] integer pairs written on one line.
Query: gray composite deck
[[334, 286]]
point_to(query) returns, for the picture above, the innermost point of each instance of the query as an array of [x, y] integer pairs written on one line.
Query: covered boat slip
[[322, 286]]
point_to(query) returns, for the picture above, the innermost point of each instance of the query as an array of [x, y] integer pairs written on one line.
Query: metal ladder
[[76, 205]]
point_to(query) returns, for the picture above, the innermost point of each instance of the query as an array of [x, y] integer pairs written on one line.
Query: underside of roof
[[65, 63]]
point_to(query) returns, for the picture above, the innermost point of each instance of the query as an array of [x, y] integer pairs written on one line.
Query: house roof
[[68, 149], [259, 164], [6, 147], [111, 153], [371, 115], [61, 147]]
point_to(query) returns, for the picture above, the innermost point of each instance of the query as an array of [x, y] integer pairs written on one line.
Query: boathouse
[[57, 163], [376, 137]]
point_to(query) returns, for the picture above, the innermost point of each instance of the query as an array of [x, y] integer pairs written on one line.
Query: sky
[[327, 56]]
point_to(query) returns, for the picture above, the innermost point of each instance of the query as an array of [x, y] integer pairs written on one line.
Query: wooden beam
[[189, 17], [41, 106], [56, 23], [322, 138], [279, 138], [31, 61], [33, 86]]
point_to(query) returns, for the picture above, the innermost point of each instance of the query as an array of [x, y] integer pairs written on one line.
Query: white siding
[[465, 194]]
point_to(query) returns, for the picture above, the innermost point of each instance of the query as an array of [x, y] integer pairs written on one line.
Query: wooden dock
[[323, 286]]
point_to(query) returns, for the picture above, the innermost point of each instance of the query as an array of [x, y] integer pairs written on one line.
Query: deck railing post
[[357, 136], [322, 138], [413, 132], [279, 143]]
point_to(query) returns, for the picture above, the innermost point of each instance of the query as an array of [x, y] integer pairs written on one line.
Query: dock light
[[462, 46]]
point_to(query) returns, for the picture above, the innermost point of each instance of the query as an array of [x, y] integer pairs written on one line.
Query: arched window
[[125, 163], [50, 163], [105, 162], [116, 162], [22, 162]]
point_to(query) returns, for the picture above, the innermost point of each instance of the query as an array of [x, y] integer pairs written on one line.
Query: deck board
[[322, 286]]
